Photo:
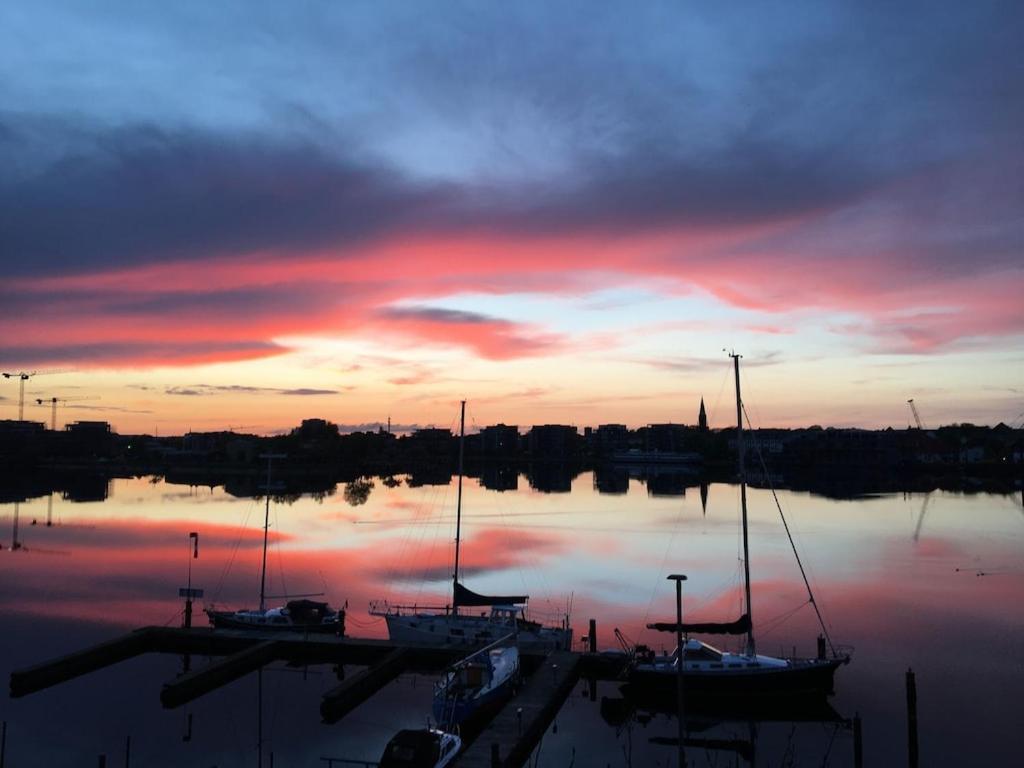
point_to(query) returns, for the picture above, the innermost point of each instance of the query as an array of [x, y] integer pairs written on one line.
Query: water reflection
[[901, 586]]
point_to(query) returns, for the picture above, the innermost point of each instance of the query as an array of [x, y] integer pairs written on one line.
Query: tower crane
[[22, 376], [53, 406], [917, 416]]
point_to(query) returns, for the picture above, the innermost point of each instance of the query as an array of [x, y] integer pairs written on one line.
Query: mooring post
[[592, 637], [858, 743], [3, 743], [102, 763], [495, 756], [127, 752], [911, 719]]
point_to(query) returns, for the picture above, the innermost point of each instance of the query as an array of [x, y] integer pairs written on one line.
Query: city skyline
[[242, 216]]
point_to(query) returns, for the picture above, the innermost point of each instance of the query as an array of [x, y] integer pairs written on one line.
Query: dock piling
[[912, 755], [592, 636], [858, 743]]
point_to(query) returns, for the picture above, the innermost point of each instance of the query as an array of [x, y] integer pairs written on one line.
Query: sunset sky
[[242, 214]]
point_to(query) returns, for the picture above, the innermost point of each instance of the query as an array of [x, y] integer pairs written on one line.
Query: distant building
[[702, 418], [553, 441], [609, 438], [90, 438], [499, 440], [316, 429], [665, 438]]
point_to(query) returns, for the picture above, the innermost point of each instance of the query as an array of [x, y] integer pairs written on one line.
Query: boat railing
[[385, 608]]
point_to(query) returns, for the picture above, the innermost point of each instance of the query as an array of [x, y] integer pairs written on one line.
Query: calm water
[[900, 587]]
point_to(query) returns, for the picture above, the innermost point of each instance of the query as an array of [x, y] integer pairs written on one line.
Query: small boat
[[448, 625], [295, 616], [475, 684], [299, 615], [711, 674], [423, 748]]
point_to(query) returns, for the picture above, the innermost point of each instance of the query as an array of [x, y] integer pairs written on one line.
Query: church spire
[[702, 419]]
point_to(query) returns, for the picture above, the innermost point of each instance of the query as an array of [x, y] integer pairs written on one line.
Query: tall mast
[[458, 508], [266, 527], [743, 501]]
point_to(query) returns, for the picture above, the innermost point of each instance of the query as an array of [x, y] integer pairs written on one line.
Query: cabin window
[[735, 665], [753, 664], [716, 666], [458, 632]]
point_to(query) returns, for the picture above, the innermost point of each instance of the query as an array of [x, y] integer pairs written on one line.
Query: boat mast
[[743, 500], [266, 527], [458, 509]]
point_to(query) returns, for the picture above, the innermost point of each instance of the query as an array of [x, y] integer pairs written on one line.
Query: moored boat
[[423, 748], [297, 615], [472, 686], [708, 673], [452, 624]]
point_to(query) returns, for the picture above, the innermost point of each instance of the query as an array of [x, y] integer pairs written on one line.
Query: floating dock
[[510, 737], [513, 732]]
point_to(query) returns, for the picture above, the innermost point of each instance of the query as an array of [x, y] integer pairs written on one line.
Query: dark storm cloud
[[144, 195], [114, 352]]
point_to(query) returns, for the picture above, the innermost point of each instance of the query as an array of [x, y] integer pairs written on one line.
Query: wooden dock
[[520, 724], [353, 691], [513, 732]]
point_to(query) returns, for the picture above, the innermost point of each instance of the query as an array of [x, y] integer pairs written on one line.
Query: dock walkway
[[521, 723]]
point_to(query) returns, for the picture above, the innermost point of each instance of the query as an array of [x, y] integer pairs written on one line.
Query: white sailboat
[[453, 624], [710, 673]]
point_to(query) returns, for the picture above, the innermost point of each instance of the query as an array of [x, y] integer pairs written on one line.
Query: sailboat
[[476, 683], [452, 624], [708, 672], [297, 615]]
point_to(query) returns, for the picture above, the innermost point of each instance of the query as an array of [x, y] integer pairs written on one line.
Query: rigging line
[[789, 535], [234, 551], [661, 569], [277, 546]]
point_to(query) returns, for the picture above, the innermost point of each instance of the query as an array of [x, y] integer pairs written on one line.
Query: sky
[[243, 214]]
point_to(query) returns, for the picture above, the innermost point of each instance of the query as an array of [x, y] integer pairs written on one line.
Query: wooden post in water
[[858, 743], [592, 637], [128, 752], [3, 743], [102, 761], [911, 719]]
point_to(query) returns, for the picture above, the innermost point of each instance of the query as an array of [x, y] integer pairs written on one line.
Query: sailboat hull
[[248, 620], [446, 629], [800, 678]]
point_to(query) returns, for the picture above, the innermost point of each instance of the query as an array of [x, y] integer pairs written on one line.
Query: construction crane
[[917, 416], [22, 377], [53, 406]]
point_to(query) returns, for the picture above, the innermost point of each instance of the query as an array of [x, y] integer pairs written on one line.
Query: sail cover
[[739, 627], [466, 597]]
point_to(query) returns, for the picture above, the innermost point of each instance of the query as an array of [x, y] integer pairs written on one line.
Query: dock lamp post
[[679, 578]]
